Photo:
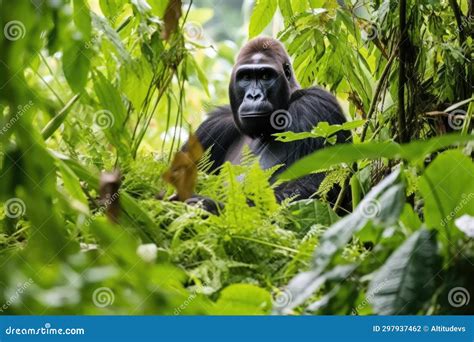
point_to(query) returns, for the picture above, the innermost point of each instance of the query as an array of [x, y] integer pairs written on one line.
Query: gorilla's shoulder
[[316, 104]]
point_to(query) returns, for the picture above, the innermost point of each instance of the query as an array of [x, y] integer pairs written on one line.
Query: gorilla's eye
[[266, 74]]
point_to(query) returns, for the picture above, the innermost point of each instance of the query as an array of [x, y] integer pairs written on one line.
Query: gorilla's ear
[[287, 70]]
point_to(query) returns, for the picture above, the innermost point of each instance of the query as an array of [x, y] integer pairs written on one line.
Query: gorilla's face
[[259, 86]]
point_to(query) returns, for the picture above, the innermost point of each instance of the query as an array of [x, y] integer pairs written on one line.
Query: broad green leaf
[[243, 299], [407, 279], [409, 219], [200, 74], [285, 9], [322, 130], [303, 285], [76, 64], [348, 153], [82, 18], [56, 121], [447, 186], [111, 119], [382, 205], [111, 8], [308, 212], [72, 185], [261, 16]]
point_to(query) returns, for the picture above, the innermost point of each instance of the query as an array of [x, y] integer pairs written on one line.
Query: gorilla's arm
[[218, 132], [307, 108]]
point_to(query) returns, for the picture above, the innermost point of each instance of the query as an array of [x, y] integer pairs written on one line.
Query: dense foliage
[[89, 87]]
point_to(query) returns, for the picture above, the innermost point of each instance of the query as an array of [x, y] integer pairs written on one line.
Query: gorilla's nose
[[253, 96]]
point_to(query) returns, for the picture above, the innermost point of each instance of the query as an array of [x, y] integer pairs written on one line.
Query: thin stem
[[402, 129]]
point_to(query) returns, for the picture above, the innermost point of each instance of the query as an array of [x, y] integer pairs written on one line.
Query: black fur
[[307, 107]]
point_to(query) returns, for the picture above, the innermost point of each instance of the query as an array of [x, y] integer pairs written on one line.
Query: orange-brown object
[[171, 18], [110, 194], [182, 174]]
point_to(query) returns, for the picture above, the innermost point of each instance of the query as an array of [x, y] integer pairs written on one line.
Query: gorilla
[[265, 98]]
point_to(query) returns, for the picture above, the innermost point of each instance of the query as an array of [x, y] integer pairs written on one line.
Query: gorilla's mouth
[[257, 110], [254, 114]]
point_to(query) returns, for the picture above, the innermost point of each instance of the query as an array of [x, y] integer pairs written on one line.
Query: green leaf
[[303, 285], [348, 153], [243, 299], [82, 18], [261, 16], [73, 186], [322, 130], [285, 9], [406, 280], [308, 212], [200, 74], [382, 205], [447, 187], [57, 121], [76, 64]]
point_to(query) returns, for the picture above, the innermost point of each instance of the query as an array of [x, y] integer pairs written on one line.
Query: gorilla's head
[[261, 83]]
